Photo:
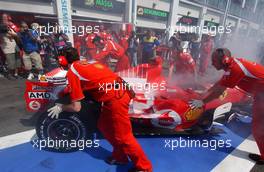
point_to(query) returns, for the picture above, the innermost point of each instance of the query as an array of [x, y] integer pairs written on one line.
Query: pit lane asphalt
[[13, 115]]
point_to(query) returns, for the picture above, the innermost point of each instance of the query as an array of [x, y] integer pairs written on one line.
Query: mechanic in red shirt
[[248, 76], [114, 122], [91, 48], [109, 47], [123, 40], [104, 33], [206, 49], [183, 62], [77, 43]]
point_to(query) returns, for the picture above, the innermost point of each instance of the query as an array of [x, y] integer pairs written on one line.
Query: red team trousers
[[258, 122], [115, 126]]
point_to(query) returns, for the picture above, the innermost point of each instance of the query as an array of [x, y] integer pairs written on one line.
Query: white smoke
[[246, 47]]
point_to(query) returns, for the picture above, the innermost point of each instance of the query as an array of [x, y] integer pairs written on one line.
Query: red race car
[[157, 107]]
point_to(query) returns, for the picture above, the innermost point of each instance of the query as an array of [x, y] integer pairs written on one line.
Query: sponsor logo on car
[[39, 95], [34, 105], [167, 118], [193, 114], [223, 95], [36, 87]]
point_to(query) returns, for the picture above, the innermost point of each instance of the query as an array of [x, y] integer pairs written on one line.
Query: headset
[[63, 61]]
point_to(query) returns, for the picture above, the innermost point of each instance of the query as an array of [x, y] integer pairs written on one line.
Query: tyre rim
[[63, 129]]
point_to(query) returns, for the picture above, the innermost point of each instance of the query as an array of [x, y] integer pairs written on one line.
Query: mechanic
[[206, 49], [109, 47], [123, 39], [104, 33], [77, 44], [183, 62], [114, 122], [91, 48], [248, 76]]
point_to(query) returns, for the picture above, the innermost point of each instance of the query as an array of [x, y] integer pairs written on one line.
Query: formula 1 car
[[157, 107]]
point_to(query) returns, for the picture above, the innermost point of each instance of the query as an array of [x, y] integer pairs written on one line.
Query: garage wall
[[30, 7]]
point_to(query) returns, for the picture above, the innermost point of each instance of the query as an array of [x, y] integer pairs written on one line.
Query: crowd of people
[[26, 53]]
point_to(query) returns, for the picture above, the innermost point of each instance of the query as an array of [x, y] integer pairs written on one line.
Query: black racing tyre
[[62, 134]]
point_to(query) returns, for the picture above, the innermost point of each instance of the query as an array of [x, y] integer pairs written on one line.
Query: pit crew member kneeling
[[248, 76], [114, 122]]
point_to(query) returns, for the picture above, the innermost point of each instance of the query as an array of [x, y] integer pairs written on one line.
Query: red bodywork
[[156, 104]]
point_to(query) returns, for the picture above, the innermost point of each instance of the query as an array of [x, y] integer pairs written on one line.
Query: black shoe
[[137, 170], [111, 161], [256, 158]]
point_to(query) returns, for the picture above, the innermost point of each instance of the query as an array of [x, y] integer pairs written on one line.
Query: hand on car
[[195, 104], [55, 111]]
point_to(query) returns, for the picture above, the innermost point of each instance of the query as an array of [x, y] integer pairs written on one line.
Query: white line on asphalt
[[16, 139], [238, 159]]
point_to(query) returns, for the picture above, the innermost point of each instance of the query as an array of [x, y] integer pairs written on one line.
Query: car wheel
[[61, 135]]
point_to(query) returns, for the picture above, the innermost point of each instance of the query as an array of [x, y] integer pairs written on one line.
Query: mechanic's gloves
[[55, 111], [194, 104]]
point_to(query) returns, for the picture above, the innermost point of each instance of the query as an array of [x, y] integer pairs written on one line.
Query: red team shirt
[[248, 76], [89, 76], [111, 48], [207, 47], [185, 63], [105, 36], [89, 41], [124, 41]]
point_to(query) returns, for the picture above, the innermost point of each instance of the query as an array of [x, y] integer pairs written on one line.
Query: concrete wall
[[212, 15], [149, 23], [97, 15], [160, 5], [184, 8], [26, 6]]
